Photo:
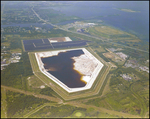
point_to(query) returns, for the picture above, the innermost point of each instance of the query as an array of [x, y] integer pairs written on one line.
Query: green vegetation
[[19, 104], [53, 16], [103, 57], [124, 95], [34, 82], [15, 74], [38, 108], [3, 103], [78, 114], [18, 13], [112, 97], [114, 34], [69, 112], [56, 112], [60, 91], [11, 76], [48, 91], [106, 115], [127, 10]]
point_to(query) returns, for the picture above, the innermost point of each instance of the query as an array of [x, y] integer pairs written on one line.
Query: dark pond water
[[38, 44], [61, 66]]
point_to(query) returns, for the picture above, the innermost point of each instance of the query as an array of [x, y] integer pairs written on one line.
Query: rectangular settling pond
[[43, 44]]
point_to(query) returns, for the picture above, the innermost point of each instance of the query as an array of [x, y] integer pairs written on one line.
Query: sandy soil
[[59, 39], [109, 55]]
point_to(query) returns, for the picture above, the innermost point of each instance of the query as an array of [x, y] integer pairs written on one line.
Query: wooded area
[[15, 74], [17, 102]]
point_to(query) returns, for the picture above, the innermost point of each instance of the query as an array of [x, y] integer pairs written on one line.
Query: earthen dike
[[86, 64]]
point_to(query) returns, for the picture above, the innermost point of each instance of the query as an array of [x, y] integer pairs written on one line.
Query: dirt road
[[32, 93], [111, 112], [73, 103]]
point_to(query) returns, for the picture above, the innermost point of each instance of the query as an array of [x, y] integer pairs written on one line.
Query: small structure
[[36, 28], [42, 86], [144, 68], [91, 24], [15, 57]]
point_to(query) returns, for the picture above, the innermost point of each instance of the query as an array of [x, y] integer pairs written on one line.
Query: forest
[[15, 74]]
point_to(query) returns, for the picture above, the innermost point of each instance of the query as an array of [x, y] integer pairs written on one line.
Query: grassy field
[[109, 55], [97, 48], [140, 99], [16, 50], [112, 33], [34, 82], [7, 44], [56, 111], [114, 58], [3, 103], [32, 58], [22, 45], [38, 108]]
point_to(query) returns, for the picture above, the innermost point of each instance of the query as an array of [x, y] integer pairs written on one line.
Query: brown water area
[[61, 66]]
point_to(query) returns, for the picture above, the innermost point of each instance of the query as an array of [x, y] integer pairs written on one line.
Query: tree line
[[13, 74]]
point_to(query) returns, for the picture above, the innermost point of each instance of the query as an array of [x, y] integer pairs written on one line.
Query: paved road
[[86, 34]]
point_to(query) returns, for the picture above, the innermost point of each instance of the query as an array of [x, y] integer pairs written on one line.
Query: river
[[136, 23]]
